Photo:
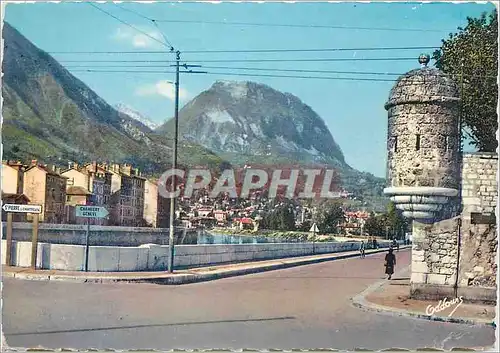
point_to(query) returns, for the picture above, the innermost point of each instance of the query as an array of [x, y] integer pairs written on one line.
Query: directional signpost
[[15, 208], [10, 207], [90, 212]]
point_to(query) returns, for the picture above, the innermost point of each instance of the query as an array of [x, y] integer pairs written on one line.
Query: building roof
[[46, 170], [82, 171], [243, 220], [77, 190], [423, 85], [15, 198]]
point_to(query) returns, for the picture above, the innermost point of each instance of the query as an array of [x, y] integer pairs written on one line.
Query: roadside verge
[[391, 297]]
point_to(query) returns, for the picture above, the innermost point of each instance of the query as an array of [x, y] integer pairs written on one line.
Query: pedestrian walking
[[390, 262], [395, 244], [362, 249]]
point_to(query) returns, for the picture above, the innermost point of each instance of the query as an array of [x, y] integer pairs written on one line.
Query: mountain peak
[[252, 120], [236, 89], [134, 114]]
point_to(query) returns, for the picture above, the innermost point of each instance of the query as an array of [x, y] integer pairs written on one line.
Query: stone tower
[[423, 144]]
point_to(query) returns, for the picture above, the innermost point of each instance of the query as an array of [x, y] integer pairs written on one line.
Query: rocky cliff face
[[51, 115], [245, 121]]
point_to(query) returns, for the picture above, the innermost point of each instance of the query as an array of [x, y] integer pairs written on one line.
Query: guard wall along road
[[151, 257]]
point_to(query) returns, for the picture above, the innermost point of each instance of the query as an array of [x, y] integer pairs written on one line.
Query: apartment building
[[12, 177], [100, 186], [45, 186], [127, 196], [151, 203], [86, 186], [12, 188], [163, 212], [77, 176]]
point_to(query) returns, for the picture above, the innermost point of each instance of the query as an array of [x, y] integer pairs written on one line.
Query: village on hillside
[[133, 200]]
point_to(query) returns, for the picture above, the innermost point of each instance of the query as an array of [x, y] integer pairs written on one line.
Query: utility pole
[[171, 238]]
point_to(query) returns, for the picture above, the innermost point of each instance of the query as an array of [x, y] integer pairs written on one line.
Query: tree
[[471, 57], [395, 221], [375, 225], [328, 215], [280, 218]]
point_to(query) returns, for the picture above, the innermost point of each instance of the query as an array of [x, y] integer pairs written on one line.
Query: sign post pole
[[19, 208], [90, 212], [8, 251], [87, 246], [34, 242]]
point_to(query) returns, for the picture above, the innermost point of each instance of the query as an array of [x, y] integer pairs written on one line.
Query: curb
[[180, 278], [360, 302]]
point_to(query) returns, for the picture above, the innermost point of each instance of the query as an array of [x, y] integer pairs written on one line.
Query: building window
[[447, 143], [395, 144], [417, 143]]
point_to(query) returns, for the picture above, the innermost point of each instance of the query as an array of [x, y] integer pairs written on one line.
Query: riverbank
[[287, 235]]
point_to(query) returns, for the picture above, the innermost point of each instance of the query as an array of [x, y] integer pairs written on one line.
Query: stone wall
[[435, 246], [479, 245], [479, 242], [479, 183], [434, 253], [73, 234]]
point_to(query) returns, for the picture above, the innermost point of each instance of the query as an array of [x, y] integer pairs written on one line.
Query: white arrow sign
[[10, 207], [91, 212]]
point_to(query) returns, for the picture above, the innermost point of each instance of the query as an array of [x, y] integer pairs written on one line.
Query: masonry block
[[433, 278], [418, 278], [419, 267]]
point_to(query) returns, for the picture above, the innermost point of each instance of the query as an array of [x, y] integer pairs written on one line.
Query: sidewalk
[[392, 297], [178, 277]]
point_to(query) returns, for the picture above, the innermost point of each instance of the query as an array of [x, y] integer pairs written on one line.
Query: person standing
[[390, 263], [362, 249]]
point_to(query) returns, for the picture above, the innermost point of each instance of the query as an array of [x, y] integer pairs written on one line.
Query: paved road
[[302, 307]]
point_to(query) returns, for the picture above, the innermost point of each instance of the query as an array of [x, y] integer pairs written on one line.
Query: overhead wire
[[248, 69], [149, 19], [254, 60], [97, 70], [128, 24], [236, 51], [291, 25], [238, 74]]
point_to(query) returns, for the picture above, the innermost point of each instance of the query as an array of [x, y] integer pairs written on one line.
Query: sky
[[352, 109]]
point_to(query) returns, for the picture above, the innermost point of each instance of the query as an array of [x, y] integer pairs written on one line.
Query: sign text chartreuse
[[91, 212]]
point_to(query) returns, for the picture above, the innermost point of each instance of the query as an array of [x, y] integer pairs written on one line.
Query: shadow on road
[[151, 325], [309, 277]]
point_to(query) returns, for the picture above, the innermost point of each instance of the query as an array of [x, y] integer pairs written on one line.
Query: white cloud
[[138, 39], [161, 88]]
